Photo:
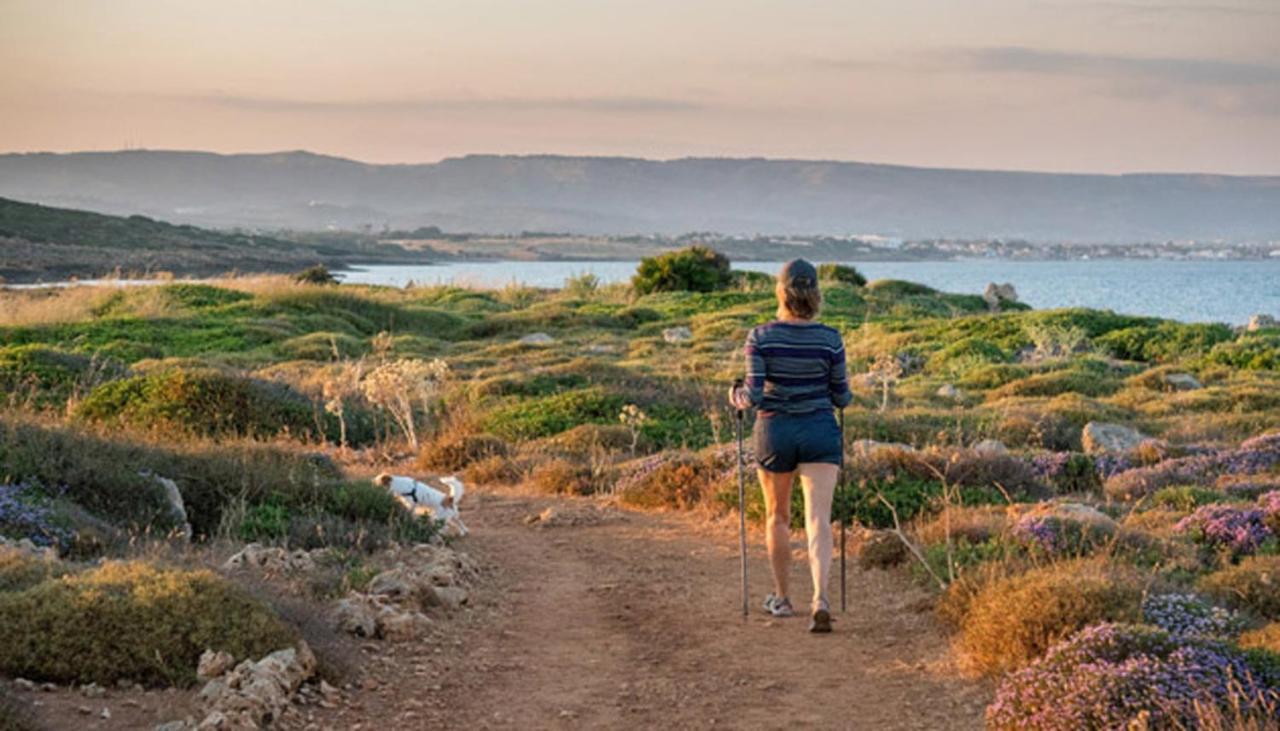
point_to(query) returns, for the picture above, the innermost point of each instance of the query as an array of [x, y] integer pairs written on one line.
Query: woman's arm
[[752, 390]]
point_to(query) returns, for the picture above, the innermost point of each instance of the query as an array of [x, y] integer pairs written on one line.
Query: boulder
[[452, 597], [948, 391], [254, 694], [1261, 322], [1182, 382], [214, 664], [1101, 437], [270, 559], [991, 447], [1086, 515], [357, 615], [997, 294], [678, 334], [537, 339], [397, 625], [177, 508]]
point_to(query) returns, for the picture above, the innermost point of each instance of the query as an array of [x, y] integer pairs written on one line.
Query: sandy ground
[[633, 620]]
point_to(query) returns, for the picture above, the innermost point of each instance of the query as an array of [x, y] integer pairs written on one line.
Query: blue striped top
[[796, 368]]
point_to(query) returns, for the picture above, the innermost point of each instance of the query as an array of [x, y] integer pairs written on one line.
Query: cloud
[[590, 104], [1166, 10], [1170, 69]]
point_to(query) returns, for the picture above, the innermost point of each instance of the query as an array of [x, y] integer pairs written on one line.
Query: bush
[[1184, 498], [548, 415], [1164, 341], [493, 471], [1187, 614], [1253, 585], [1067, 472], [670, 480], [131, 622], [899, 288], [842, 273], [1116, 676], [202, 402], [53, 374], [20, 570], [563, 477], [318, 274], [1265, 638], [456, 451], [1014, 620], [692, 269], [1228, 528]]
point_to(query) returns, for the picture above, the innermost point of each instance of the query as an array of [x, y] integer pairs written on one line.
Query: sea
[[1227, 291]]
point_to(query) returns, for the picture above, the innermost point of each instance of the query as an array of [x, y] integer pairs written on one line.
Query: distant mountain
[[508, 194], [41, 242]]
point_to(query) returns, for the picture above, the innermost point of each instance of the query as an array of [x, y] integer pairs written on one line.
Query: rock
[[105, 714], [868, 447], [452, 597], [357, 616], [997, 294], [92, 690], [1261, 322], [270, 559], [1182, 382], [254, 694], [948, 391], [678, 334], [214, 664], [397, 625], [880, 549], [602, 348], [537, 339], [1076, 512], [24, 684], [991, 447], [177, 508], [1102, 437], [398, 584]]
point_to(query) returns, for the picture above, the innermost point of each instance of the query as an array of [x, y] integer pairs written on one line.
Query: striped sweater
[[796, 368]]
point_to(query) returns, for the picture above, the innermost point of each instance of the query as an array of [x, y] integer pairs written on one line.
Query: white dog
[[421, 497]]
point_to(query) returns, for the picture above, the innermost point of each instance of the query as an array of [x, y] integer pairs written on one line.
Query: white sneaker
[[778, 606]]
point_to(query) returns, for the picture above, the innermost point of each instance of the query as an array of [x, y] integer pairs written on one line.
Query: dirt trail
[[634, 623]]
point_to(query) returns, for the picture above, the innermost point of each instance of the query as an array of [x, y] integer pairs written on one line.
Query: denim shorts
[[783, 441]]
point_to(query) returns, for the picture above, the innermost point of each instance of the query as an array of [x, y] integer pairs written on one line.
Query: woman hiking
[[796, 377]]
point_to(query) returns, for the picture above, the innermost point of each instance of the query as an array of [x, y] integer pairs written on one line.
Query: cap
[[798, 273]]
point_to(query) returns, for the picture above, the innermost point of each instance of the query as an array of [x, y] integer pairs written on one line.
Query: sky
[[1054, 85]]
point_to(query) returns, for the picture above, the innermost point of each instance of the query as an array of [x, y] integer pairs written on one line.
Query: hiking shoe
[[778, 606], [820, 622]]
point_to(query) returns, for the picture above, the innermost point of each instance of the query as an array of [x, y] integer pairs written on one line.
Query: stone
[[24, 684], [991, 447], [948, 391], [254, 694], [396, 584], [396, 625], [678, 334], [1076, 512], [997, 294], [92, 690], [1261, 322], [270, 559], [537, 339], [355, 615], [452, 597], [214, 664], [1183, 382], [177, 508], [1101, 437], [868, 447]]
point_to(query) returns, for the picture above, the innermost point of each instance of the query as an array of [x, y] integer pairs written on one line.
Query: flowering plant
[[1109, 675], [401, 387], [1239, 530], [1187, 614], [25, 513]]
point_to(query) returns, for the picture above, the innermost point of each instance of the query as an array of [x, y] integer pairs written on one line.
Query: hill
[[507, 194], [42, 242]]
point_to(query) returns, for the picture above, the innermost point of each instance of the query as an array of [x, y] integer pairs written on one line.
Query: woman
[[796, 376]]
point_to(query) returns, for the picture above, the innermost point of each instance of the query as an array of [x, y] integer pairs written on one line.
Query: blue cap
[[799, 274]]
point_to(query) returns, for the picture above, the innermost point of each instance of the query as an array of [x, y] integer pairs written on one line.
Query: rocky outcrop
[[270, 559], [1182, 382], [250, 695], [996, 295], [678, 334], [537, 339], [1101, 437], [949, 392], [395, 604]]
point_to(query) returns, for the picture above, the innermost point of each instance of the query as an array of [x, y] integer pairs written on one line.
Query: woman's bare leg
[[819, 483], [777, 508]]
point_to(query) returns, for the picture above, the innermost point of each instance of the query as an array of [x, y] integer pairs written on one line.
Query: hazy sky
[[1132, 85]]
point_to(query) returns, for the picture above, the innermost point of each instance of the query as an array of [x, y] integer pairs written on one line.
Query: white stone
[[1183, 382], [678, 334], [990, 446], [537, 339], [948, 391], [214, 664], [997, 294], [1100, 437]]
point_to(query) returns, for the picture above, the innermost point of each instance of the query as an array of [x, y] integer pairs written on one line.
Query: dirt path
[[633, 623]]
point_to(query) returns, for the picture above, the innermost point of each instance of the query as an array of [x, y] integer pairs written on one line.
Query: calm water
[[1193, 291]]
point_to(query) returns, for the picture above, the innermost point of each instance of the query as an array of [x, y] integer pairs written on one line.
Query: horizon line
[[634, 158]]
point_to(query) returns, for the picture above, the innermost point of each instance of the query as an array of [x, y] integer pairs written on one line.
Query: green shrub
[[20, 570], [202, 402], [548, 415], [200, 296], [1184, 498], [455, 451], [264, 523], [1013, 620], [1053, 383], [899, 288], [318, 275], [131, 622], [692, 269], [322, 346], [1251, 351], [1253, 585], [910, 497], [965, 356], [1164, 341], [53, 374], [842, 273]]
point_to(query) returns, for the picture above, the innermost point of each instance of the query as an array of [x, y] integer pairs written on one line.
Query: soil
[[594, 617]]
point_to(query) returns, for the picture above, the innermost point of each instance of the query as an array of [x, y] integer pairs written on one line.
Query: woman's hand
[[738, 397]]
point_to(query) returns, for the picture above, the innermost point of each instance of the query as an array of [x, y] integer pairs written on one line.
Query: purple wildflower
[[1110, 674], [25, 513], [1187, 614], [1241, 530]]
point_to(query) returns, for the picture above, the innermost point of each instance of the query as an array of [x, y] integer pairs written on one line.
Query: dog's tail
[[456, 488]]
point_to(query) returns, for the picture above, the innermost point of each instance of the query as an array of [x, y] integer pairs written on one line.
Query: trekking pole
[[742, 502], [840, 486]]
